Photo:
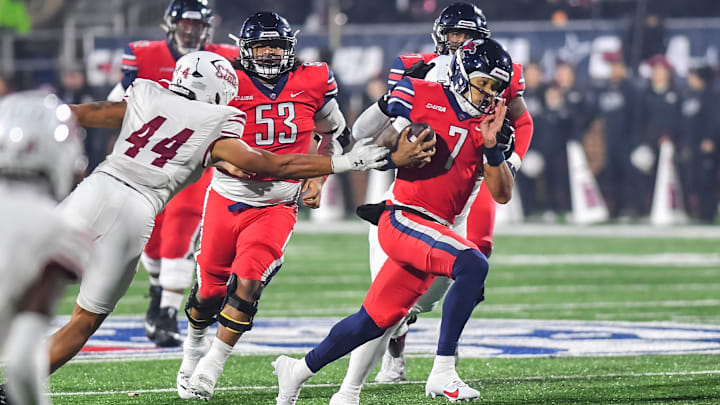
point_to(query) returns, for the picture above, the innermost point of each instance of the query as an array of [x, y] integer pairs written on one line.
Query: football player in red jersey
[[414, 225], [168, 255], [286, 102], [456, 24]]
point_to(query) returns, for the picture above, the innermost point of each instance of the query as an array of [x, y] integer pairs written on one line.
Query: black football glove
[[418, 70], [506, 139]]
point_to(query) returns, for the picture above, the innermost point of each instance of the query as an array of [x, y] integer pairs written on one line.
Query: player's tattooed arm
[[102, 114], [255, 160], [232, 170]]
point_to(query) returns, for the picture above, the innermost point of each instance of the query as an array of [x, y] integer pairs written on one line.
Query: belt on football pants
[[238, 206], [372, 212]]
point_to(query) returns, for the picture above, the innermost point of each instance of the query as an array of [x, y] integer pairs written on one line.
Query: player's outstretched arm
[[102, 114], [374, 123], [498, 176], [364, 156]]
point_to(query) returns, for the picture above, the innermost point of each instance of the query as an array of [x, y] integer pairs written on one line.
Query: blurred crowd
[[621, 123], [408, 11]]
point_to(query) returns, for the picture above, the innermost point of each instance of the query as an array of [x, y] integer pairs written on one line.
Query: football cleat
[[392, 370], [191, 356], [203, 380], [201, 386], [288, 385], [153, 311], [166, 328], [450, 386], [343, 398]]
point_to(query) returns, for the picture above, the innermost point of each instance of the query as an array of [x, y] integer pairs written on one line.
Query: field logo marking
[[124, 337]]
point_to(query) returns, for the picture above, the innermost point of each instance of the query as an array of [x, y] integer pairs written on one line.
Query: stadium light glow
[[63, 112], [61, 132], [16, 134], [51, 101]]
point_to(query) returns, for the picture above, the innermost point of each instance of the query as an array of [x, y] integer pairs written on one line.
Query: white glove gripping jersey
[[34, 235], [166, 139]]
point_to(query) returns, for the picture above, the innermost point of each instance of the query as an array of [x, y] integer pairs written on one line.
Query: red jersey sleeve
[[229, 52], [403, 62], [517, 84]]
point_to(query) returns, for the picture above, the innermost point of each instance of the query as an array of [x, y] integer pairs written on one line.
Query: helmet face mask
[[481, 99], [268, 58], [188, 24], [458, 18], [267, 45], [190, 35], [481, 68], [455, 38]]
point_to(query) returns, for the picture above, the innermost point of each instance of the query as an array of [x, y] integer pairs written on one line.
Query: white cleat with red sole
[[450, 386]]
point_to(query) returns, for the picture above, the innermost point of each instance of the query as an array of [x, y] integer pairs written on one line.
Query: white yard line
[[476, 380], [653, 259], [615, 231], [614, 304]]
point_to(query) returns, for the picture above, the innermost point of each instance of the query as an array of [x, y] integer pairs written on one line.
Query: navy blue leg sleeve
[[345, 336], [469, 272]]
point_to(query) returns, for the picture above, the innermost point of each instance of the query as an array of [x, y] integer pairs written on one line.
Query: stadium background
[[618, 312]]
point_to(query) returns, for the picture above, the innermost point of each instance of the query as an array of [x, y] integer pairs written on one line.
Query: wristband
[[494, 155], [390, 164]]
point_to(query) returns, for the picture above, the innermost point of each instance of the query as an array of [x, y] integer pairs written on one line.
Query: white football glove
[[364, 155]]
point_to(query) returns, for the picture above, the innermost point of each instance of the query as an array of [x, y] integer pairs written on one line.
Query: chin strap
[[467, 107]]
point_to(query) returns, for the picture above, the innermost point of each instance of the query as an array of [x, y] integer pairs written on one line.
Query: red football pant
[[418, 250], [176, 227], [249, 243], [481, 220]]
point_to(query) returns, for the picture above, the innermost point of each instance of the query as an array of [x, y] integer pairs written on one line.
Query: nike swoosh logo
[[453, 394], [293, 95]]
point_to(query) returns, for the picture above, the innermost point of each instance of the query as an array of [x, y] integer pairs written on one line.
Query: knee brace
[[246, 307], [207, 310]]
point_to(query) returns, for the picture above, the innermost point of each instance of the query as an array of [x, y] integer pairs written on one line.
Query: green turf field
[[531, 277]]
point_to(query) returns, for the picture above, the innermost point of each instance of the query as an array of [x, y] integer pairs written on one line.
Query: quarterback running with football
[[168, 255], [286, 103], [456, 24], [414, 226], [167, 137]]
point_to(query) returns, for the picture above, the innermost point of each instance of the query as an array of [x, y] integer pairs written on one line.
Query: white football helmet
[[40, 141], [205, 76]]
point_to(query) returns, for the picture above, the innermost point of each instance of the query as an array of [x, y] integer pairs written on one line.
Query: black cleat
[[166, 328], [153, 311]]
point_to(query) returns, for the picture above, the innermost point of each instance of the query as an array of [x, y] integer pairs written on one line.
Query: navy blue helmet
[[458, 17], [480, 58], [188, 24], [267, 45]]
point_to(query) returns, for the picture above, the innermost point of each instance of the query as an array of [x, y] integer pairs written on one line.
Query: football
[[416, 128]]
